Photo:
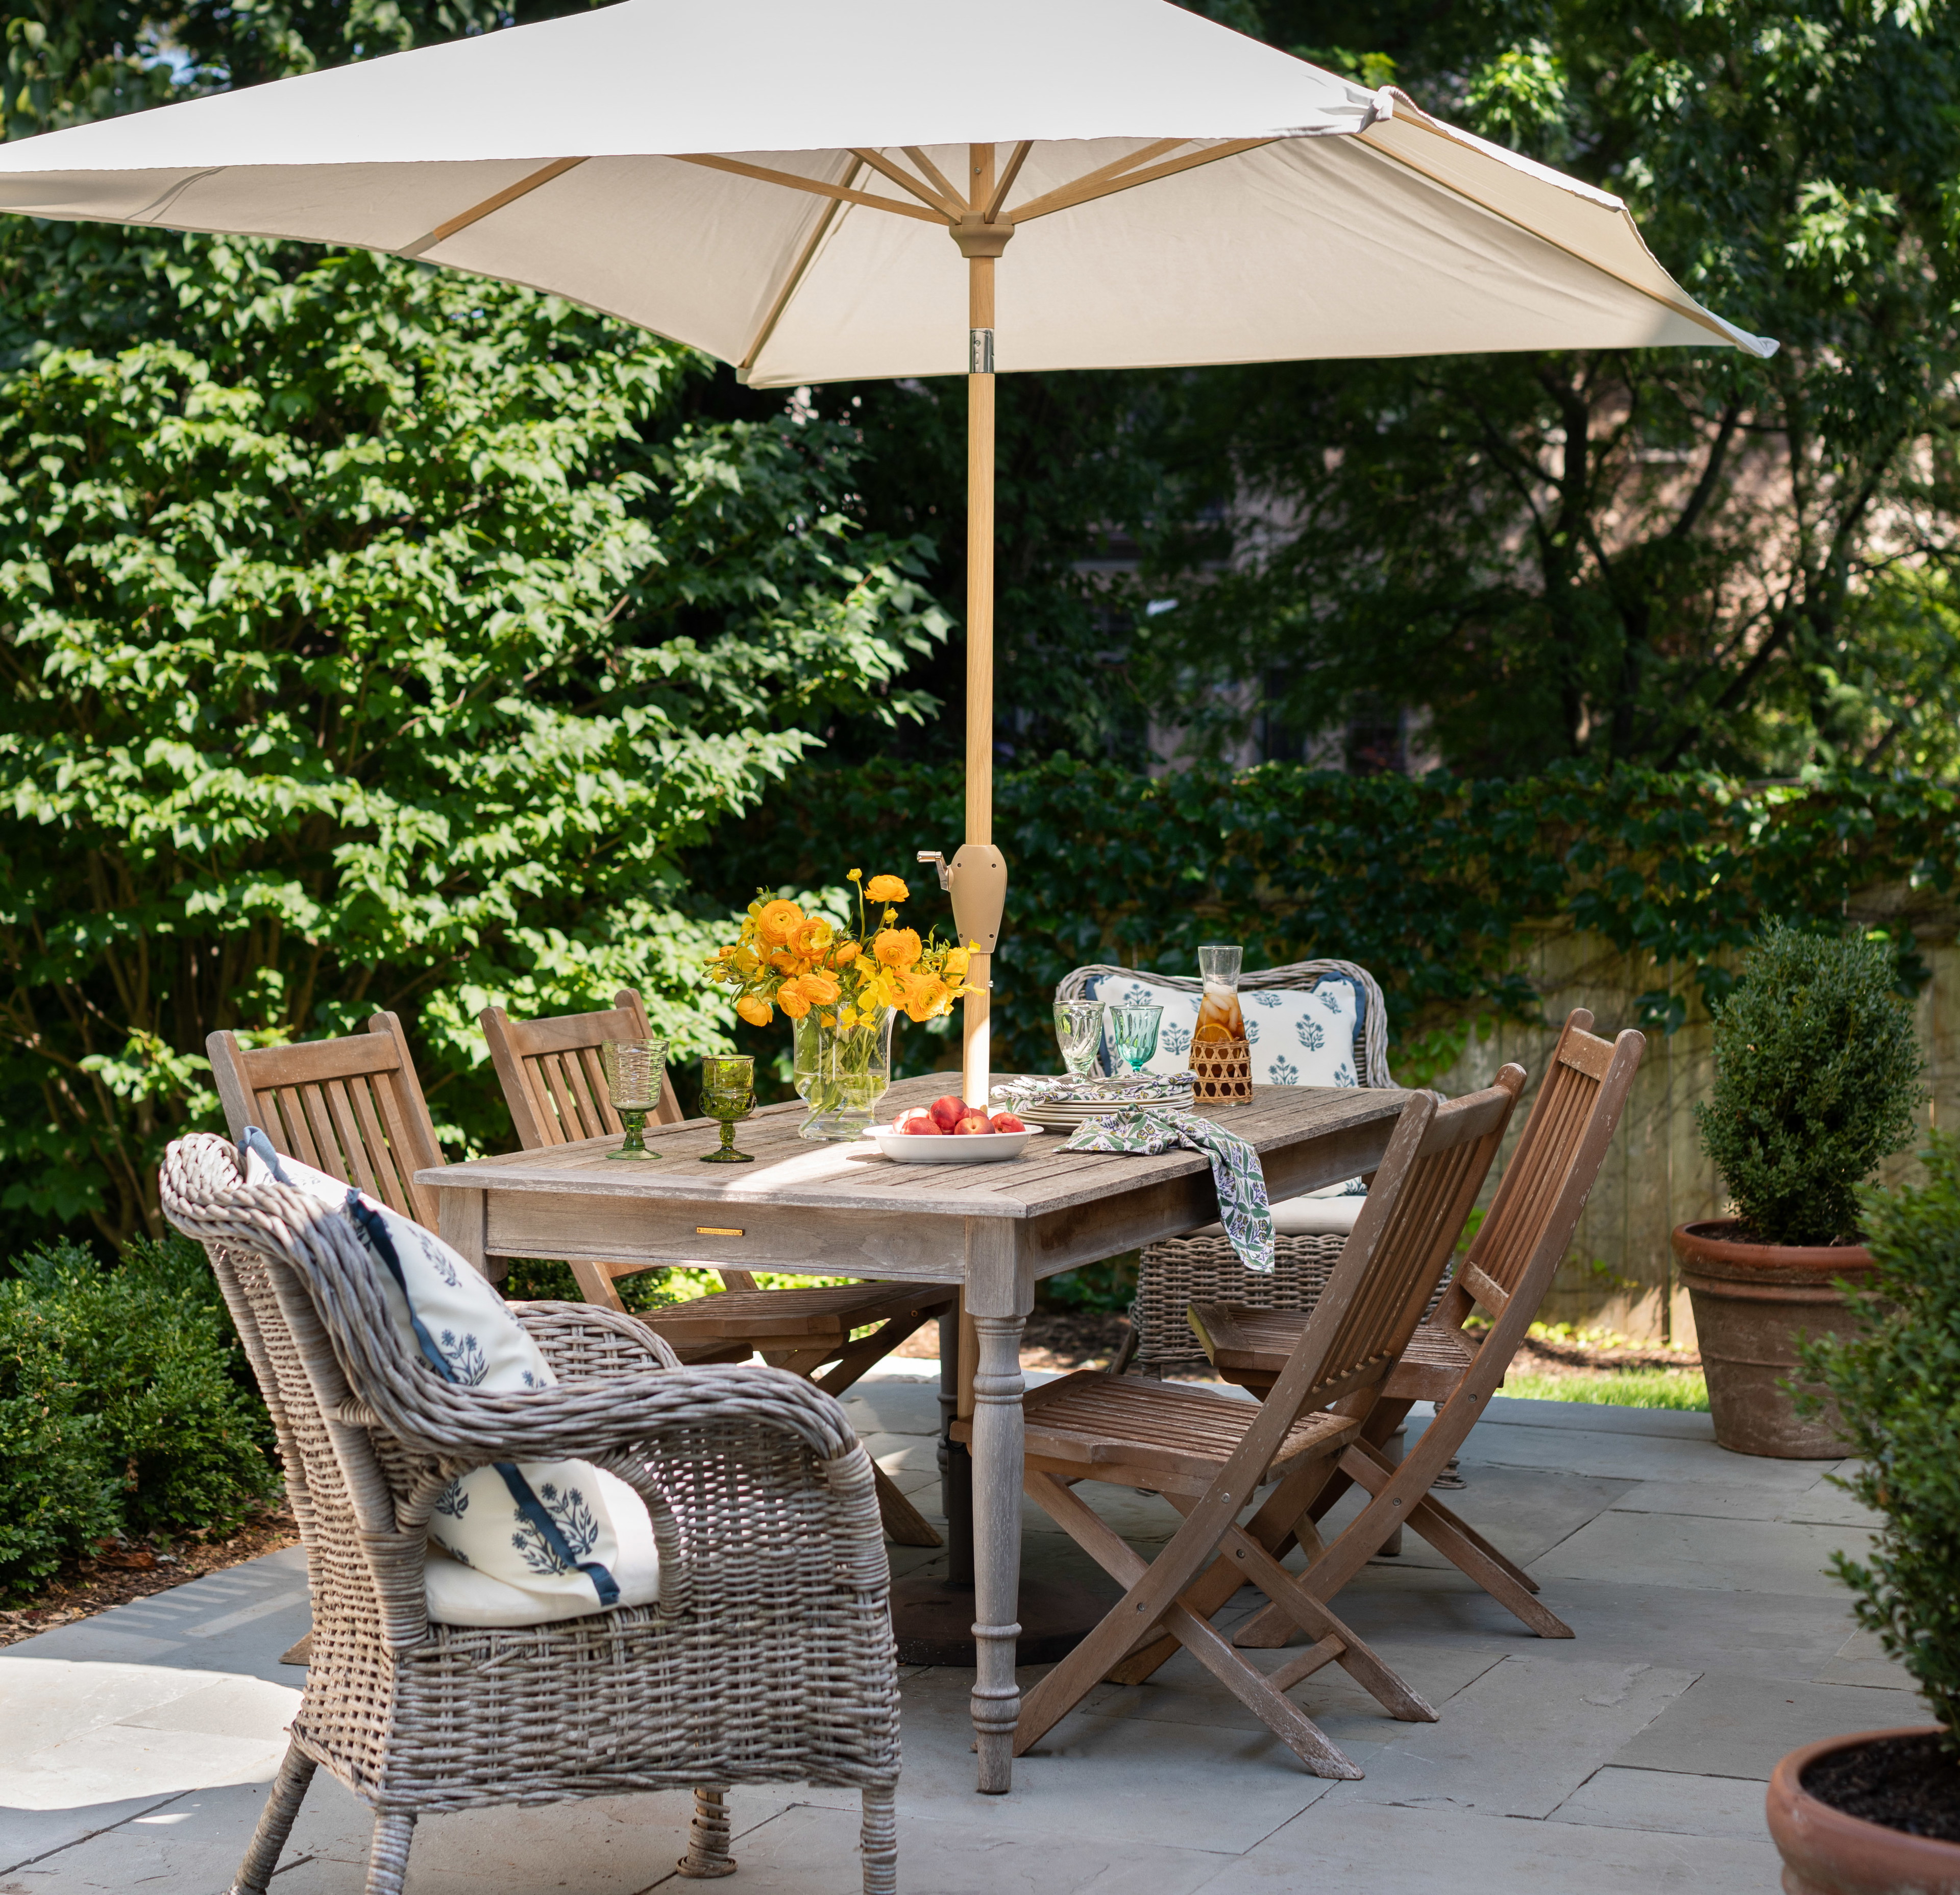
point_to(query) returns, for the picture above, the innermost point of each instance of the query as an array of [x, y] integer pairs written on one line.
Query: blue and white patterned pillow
[[526, 1542], [1297, 1039]]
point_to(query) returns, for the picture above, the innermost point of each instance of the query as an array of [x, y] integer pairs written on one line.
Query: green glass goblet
[[728, 1093], [633, 1069]]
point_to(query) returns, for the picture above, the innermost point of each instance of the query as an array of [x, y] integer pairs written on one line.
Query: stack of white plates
[[1061, 1105]]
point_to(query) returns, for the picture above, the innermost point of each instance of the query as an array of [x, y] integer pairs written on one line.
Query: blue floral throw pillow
[[519, 1542], [1296, 1039]]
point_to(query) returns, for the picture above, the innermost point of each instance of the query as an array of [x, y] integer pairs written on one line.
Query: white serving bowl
[[972, 1148]]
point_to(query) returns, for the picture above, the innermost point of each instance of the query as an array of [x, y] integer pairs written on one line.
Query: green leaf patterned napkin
[[1235, 1169]]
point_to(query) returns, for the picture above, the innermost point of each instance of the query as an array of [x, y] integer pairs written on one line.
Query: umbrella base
[[933, 1621]]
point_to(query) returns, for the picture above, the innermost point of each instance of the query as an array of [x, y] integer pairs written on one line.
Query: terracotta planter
[[1751, 1301], [1826, 1853]]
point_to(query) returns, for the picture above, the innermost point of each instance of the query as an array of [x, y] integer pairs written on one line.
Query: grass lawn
[[1616, 1387]]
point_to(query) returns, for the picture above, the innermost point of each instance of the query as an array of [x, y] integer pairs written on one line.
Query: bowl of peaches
[[951, 1132]]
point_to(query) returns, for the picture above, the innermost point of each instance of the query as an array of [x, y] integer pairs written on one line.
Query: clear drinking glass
[[1134, 1031], [1219, 1016], [728, 1093], [1078, 1030], [633, 1069]]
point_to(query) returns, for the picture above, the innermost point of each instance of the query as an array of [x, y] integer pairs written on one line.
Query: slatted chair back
[[1400, 1247], [1518, 1249], [351, 1107], [551, 1077]]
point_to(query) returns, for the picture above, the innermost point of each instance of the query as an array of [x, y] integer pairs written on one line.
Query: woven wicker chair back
[[1407, 1247], [1371, 1032], [551, 1075], [351, 1107]]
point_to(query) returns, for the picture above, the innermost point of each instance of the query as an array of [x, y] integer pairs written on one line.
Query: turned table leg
[[998, 1300]]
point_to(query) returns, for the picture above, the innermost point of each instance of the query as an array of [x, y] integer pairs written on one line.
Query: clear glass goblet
[[1078, 1031], [1134, 1032], [728, 1093], [633, 1070]]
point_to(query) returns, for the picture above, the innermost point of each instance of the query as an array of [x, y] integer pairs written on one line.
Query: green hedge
[[1428, 884], [125, 1406]]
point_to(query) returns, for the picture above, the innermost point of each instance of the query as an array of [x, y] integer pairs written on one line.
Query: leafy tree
[[373, 644], [1652, 555]]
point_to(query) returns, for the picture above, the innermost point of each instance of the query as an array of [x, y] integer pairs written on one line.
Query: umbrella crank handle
[[938, 862]]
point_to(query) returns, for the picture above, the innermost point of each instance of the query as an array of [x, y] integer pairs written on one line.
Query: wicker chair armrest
[[579, 1339]]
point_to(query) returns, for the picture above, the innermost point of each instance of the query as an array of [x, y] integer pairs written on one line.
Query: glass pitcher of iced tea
[[1218, 1018]]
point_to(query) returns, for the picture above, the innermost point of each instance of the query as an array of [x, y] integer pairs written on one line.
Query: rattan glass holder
[[1224, 1071]]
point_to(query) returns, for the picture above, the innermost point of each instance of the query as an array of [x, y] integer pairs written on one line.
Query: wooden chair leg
[[905, 1525], [707, 1856], [1064, 1687], [276, 1823]]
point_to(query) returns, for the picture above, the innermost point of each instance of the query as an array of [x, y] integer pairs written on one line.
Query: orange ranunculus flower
[[754, 1009], [845, 955], [785, 961], [790, 997], [811, 939], [925, 995], [897, 947], [886, 888], [778, 923], [820, 988]]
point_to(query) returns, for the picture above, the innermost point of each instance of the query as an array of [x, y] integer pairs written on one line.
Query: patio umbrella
[[777, 181]]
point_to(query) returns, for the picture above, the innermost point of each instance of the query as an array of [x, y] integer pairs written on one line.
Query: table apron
[[904, 1245]]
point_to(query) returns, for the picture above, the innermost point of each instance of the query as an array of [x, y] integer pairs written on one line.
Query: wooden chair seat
[[792, 1319], [1250, 1346], [1126, 1429]]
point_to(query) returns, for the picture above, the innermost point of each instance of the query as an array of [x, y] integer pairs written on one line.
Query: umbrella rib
[[1694, 313], [906, 181], [716, 163], [1006, 182], [793, 281], [1110, 179], [935, 176], [509, 195]]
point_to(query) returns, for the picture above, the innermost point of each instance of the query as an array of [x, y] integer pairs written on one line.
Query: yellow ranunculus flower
[[778, 922], [886, 888], [746, 961], [957, 961], [897, 947], [754, 1009]]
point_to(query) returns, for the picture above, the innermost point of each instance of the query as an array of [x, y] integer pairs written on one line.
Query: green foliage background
[[126, 1406], [1429, 885]]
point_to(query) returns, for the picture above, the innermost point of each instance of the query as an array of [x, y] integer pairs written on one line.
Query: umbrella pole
[[975, 1050]]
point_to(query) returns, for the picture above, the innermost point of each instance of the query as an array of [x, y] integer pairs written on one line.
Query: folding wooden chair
[[351, 1107], [1507, 1271], [556, 1091], [1208, 1453]]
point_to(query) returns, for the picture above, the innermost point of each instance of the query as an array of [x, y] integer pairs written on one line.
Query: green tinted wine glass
[[634, 1069], [728, 1093]]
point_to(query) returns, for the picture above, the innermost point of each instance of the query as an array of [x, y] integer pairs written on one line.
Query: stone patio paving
[[134, 1747]]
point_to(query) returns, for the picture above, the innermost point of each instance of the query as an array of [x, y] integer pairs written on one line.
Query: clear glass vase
[[842, 1075]]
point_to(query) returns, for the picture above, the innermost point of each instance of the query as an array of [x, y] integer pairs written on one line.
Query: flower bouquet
[[842, 991]]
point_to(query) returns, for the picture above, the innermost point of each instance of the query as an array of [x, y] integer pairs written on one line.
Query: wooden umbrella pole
[[981, 244]]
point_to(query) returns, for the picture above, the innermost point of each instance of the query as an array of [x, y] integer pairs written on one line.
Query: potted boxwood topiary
[[1881, 1810], [1816, 1080]]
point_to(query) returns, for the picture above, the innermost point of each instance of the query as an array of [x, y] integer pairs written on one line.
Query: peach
[[973, 1125], [921, 1128], [1007, 1121], [948, 1111]]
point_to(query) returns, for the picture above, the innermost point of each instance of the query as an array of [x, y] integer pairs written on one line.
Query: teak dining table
[[845, 1210]]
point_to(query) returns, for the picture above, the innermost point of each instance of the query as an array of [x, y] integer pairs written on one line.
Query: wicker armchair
[[1204, 1268], [768, 1657]]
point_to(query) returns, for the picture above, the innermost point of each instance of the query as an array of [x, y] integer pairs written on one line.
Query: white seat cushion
[[527, 1542], [1314, 1216], [1297, 1038]]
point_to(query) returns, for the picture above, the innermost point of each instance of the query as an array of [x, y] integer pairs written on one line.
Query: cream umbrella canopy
[[776, 182]]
